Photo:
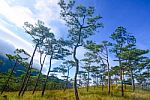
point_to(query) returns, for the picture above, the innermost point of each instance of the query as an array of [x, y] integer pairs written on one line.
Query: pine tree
[[81, 23], [38, 32], [120, 37], [42, 53], [15, 60], [56, 50]]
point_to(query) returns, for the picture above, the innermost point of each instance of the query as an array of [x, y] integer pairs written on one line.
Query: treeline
[[133, 64], [14, 83]]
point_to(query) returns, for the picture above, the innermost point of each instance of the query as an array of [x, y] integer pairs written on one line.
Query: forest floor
[[92, 94]]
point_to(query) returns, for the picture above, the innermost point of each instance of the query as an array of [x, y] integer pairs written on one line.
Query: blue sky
[[131, 14]]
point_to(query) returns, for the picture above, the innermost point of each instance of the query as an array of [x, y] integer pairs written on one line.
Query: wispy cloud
[[9, 32], [18, 14], [50, 12], [50, 15], [4, 44], [15, 13]]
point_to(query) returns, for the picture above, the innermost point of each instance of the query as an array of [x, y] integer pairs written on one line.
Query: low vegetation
[[94, 93]]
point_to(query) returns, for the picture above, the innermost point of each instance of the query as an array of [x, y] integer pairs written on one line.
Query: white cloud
[[16, 37], [16, 14], [45, 10], [4, 44], [50, 12]]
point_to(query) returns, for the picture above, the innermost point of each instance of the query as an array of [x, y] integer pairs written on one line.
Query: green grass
[[93, 94]]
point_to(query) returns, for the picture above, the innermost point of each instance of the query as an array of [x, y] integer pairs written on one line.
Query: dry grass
[[93, 94]]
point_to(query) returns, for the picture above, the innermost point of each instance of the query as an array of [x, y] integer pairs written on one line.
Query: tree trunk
[[37, 80], [36, 84], [76, 73], [28, 71], [97, 80], [26, 83], [87, 88], [142, 86], [102, 84], [108, 77], [66, 85], [6, 82], [116, 80], [122, 89], [133, 84], [148, 76], [107, 60], [44, 86]]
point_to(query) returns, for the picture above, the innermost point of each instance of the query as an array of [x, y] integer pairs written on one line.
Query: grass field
[[93, 94]]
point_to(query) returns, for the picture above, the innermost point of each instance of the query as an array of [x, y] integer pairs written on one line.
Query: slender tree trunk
[[108, 77], [116, 80], [142, 86], [107, 60], [97, 81], [66, 85], [76, 73], [28, 71], [36, 84], [122, 89], [102, 84], [123, 74], [44, 86], [26, 83], [10, 75], [68, 79], [87, 88], [108, 83], [37, 80], [133, 84], [121, 78], [148, 76]]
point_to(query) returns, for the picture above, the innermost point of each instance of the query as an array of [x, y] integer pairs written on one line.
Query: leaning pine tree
[[38, 32], [42, 61], [81, 23], [55, 49], [15, 60]]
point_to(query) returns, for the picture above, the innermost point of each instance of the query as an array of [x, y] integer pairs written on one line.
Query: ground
[[93, 94]]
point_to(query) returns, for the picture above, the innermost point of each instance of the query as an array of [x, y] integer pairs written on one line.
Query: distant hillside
[[7, 65], [19, 71]]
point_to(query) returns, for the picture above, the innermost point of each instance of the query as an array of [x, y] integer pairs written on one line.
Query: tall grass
[[93, 94]]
